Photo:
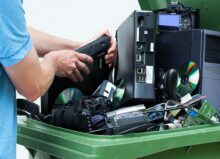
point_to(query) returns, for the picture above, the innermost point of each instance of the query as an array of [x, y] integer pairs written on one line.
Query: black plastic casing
[[136, 57]]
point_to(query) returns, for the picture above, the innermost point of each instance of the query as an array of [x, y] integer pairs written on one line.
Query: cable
[[48, 116], [134, 128], [96, 131], [32, 116]]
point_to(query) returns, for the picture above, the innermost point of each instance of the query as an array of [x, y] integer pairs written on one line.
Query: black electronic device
[[93, 115], [174, 49], [99, 71], [105, 89], [177, 17], [85, 117], [112, 114], [135, 62], [134, 119], [96, 47], [166, 83]]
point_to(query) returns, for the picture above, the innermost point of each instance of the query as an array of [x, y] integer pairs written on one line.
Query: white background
[[76, 20]]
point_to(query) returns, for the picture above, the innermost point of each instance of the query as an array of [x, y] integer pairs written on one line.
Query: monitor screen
[[172, 20]]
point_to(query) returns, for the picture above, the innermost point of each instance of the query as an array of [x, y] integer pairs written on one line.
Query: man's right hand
[[32, 78], [70, 64]]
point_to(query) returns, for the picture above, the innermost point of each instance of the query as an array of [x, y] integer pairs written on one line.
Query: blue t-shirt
[[15, 43]]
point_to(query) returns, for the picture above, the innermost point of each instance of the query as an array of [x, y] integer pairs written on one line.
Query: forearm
[[32, 78], [42, 80], [48, 71], [45, 43]]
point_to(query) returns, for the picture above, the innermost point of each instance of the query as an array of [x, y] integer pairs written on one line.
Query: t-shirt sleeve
[[15, 41]]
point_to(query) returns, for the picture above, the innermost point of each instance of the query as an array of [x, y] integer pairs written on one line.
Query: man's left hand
[[111, 55]]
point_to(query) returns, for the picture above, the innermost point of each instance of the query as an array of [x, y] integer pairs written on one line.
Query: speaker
[[200, 46], [136, 57]]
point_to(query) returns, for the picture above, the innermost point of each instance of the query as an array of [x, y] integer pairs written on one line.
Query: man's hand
[[70, 64], [112, 51], [41, 40], [33, 78]]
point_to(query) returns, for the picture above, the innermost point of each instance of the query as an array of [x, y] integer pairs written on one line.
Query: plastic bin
[[49, 142], [209, 10], [199, 142]]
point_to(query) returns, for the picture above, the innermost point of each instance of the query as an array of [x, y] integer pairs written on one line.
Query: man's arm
[[45, 43], [32, 78]]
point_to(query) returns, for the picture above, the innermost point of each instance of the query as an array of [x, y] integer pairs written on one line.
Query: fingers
[[82, 67], [78, 75], [99, 34], [103, 32], [78, 66], [69, 72], [75, 76], [109, 58], [70, 64], [113, 46], [84, 58], [111, 53]]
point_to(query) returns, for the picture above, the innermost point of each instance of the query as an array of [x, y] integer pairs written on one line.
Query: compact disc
[[188, 78], [68, 97], [118, 93]]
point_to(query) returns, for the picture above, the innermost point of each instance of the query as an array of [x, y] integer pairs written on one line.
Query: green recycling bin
[[48, 142], [209, 10], [199, 142]]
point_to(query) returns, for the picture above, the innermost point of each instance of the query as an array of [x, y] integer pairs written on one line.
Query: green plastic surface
[[204, 151], [50, 141], [209, 10]]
